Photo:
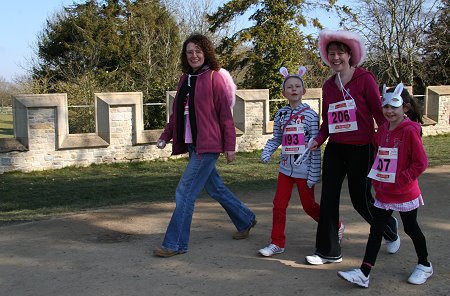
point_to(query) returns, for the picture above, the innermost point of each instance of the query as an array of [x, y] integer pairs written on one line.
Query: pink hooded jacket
[[215, 126], [412, 161], [364, 90]]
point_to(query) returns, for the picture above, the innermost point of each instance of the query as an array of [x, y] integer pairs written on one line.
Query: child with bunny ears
[[399, 162], [295, 125]]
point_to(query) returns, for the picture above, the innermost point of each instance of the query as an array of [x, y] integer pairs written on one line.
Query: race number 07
[[383, 164]]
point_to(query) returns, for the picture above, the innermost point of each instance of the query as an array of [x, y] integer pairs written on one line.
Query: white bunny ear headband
[[286, 75], [393, 98]]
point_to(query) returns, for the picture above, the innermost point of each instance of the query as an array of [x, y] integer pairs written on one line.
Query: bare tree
[[7, 89], [191, 17], [394, 30]]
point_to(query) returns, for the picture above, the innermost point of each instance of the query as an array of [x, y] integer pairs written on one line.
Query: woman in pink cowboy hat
[[350, 103]]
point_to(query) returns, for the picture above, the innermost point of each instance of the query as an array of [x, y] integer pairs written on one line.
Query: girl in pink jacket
[[399, 162]]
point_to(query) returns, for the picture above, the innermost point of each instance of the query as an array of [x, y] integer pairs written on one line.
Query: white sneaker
[[317, 260], [420, 274], [341, 232], [355, 276], [271, 250], [393, 246]]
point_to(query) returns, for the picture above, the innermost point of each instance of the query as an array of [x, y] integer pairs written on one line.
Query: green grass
[[29, 196], [438, 149], [6, 126]]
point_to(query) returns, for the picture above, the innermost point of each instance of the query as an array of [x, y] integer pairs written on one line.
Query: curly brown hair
[[208, 50]]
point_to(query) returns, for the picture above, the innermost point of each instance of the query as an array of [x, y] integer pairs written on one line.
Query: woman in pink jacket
[[202, 125], [399, 162], [350, 104]]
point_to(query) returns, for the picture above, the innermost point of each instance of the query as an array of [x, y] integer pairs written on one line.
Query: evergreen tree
[[436, 67], [273, 40], [109, 46]]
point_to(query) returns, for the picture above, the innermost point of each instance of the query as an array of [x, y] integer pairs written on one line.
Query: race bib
[[342, 117], [293, 141], [384, 167]]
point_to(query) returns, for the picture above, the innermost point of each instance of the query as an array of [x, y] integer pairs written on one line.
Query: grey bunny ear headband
[[301, 71], [393, 98]]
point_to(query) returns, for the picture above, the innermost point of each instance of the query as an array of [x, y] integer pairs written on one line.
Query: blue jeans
[[201, 173]]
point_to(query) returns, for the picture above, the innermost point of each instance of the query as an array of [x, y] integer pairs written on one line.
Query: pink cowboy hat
[[351, 39]]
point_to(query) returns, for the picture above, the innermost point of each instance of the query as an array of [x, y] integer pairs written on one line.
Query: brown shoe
[[163, 252], [244, 233]]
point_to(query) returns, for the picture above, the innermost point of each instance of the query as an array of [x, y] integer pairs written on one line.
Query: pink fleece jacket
[[364, 89], [215, 126], [412, 161]]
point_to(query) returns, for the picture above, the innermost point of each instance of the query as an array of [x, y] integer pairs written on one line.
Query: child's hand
[[310, 184], [265, 159], [313, 145]]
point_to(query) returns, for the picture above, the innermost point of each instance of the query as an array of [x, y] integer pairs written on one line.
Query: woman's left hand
[[230, 155]]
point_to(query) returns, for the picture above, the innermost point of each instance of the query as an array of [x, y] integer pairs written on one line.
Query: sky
[[20, 23]]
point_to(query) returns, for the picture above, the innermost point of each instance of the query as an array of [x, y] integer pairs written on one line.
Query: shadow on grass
[[41, 194], [6, 133]]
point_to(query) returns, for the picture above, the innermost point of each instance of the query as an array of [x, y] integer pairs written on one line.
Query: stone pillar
[[437, 108]]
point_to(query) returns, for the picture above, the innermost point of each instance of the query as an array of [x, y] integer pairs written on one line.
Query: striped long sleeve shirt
[[310, 168]]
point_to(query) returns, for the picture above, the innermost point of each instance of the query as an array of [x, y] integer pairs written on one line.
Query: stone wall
[[42, 140], [437, 109]]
